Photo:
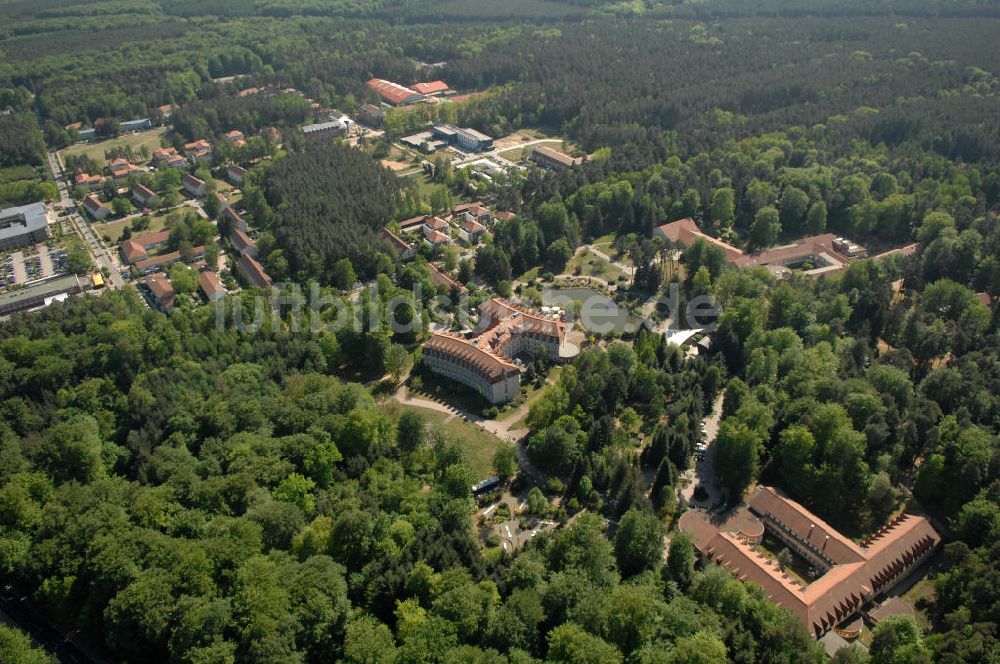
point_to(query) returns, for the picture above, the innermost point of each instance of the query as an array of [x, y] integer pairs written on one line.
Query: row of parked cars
[[702, 445]]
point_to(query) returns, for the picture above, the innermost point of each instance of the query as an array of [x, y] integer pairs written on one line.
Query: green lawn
[[114, 229], [590, 264], [480, 444], [151, 139]]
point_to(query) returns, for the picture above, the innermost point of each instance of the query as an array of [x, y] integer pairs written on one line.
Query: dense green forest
[[176, 491], [187, 494]]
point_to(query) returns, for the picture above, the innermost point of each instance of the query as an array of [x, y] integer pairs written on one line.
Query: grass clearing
[[587, 263], [151, 139], [480, 444], [114, 229]]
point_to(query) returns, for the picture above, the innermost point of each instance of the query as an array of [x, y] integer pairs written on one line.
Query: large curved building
[[483, 360]]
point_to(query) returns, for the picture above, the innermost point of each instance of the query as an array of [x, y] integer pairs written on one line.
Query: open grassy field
[[480, 444], [589, 264], [113, 229], [151, 139]]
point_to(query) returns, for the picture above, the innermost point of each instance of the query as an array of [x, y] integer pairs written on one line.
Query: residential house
[[402, 247], [88, 182], [393, 93], [162, 291], [223, 201], [163, 261], [443, 279], [121, 168], [192, 185], [435, 225], [199, 151], [479, 212], [253, 271], [436, 238], [371, 115], [234, 219], [236, 174], [471, 231], [236, 138], [23, 224], [137, 248], [160, 155], [98, 210], [242, 243], [145, 196], [210, 285]]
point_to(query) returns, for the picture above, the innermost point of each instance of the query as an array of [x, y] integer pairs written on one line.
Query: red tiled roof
[[210, 284], [437, 237], [392, 92], [473, 226], [84, 178], [431, 87], [399, 243], [441, 279], [162, 290], [253, 271], [857, 573], [92, 202], [490, 365], [241, 241], [685, 232], [556, 156]]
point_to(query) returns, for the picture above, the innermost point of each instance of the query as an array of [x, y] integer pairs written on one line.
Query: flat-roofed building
[[39, 294], [851, 575], [315, 132], [467, 139], [23, 224]]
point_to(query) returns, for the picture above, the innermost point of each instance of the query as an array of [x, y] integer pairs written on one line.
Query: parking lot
[[31, 264]]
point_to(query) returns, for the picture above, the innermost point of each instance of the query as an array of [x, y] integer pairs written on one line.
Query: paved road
[[703, 473], [99, 253]]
